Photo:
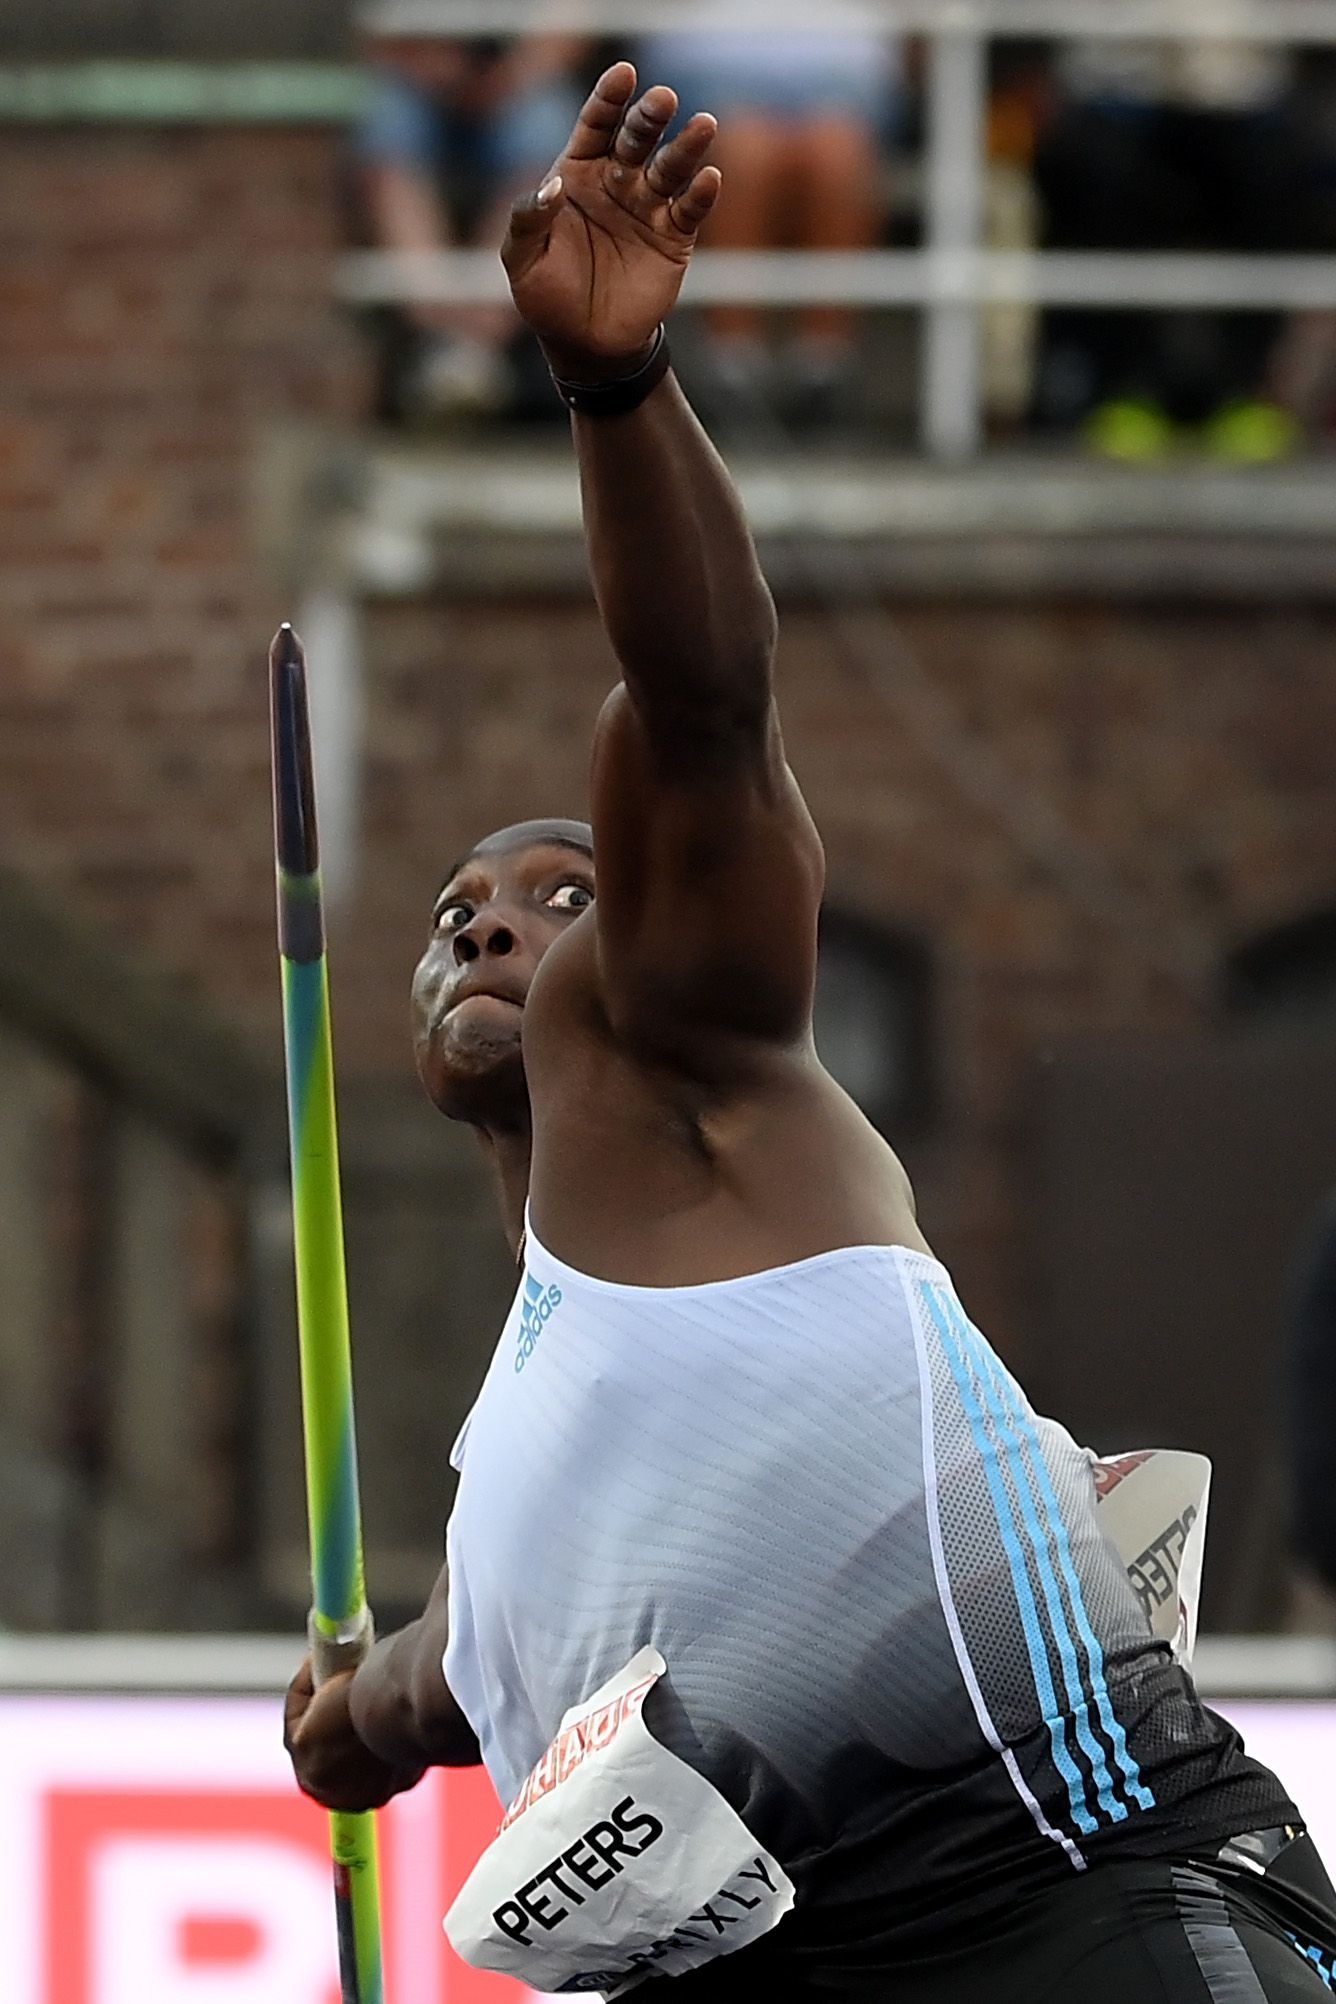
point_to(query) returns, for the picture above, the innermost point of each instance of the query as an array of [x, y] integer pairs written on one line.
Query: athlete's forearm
[[400, 1703], [675, 570]]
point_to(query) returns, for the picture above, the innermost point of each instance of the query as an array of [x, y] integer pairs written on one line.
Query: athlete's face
[[496, 916]]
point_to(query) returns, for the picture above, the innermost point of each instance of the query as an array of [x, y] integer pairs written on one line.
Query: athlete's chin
[[475, 1071]]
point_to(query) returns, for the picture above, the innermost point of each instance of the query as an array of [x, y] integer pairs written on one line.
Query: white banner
[[157, 1852]]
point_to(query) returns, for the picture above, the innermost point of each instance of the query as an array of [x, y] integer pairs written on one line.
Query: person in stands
[[1173, 146], [452, 131], [805, 115]]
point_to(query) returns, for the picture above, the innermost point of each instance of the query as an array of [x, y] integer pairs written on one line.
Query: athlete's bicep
[[710, 874]]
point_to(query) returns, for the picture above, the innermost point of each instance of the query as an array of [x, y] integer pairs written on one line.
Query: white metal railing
[[1113, 20], [954, 276], [901, 278]]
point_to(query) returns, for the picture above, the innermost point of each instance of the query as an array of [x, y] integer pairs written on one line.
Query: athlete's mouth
[[472, 992]]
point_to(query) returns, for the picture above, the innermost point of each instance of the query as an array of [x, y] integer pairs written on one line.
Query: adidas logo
[[537, 1306]]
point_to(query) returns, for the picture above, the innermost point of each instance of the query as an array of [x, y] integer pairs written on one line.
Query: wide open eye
[[451, 917], [571, 898]]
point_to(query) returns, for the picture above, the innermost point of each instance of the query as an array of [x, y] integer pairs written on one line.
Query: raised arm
[[709, 869]]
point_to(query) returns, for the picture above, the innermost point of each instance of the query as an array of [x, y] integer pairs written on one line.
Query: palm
[[609, 275], [597, 270]]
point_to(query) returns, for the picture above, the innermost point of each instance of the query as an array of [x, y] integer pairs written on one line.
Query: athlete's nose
[[481, 936]]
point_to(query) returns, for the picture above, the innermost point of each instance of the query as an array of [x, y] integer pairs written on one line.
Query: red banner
[[157, 1852]]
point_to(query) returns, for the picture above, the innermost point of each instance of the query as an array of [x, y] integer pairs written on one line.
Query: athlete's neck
[[510, 1151]]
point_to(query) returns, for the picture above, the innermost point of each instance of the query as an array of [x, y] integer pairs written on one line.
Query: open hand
[[597, 257], [329, 1760]]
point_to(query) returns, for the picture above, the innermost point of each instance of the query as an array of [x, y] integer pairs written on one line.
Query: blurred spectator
[[454, 130], [1173, 146], [1019, 109], [805, 119]]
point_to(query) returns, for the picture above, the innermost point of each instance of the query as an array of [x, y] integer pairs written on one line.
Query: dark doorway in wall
[[1286, 973], [873, 1018]]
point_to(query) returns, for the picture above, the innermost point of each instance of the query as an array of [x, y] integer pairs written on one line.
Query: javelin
[[340, 1624]]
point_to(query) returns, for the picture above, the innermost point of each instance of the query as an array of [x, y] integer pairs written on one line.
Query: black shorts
[[1140, 1931]]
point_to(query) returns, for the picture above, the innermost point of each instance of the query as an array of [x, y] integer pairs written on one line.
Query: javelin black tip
[[286, 648], [294, 784]]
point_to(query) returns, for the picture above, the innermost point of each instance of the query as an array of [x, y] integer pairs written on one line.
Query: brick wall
[[165, 300], [48, 30], [1186, 752]]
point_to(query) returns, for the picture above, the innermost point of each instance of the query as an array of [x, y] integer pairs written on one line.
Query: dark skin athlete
[[639, 1064]]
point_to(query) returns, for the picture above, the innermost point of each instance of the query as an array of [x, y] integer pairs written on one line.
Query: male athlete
[[737, 1416]]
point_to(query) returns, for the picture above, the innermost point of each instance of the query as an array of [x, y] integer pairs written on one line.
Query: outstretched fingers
[[692, 206], [644, 125], [603, 112], [675, 166]]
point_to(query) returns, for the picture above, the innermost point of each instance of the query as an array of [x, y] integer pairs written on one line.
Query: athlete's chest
[[610, 1411], [662, 1174]]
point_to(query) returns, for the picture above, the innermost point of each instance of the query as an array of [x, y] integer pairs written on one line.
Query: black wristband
[[626, 393]]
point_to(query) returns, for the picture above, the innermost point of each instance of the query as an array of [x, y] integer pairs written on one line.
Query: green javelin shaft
[[340, 1626]]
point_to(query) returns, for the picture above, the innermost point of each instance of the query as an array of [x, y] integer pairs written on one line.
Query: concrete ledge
[[149, 1662], [1233, 1666], [532, 489], [1266, 1666], [398, 518], [203, 30]]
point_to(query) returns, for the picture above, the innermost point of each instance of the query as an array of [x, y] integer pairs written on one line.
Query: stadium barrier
[[158, 1849]]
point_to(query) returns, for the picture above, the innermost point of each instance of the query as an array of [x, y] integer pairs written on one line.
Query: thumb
[[531, 222], [297, 1702]]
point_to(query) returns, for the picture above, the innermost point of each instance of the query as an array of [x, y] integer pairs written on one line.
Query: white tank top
[[896, 1639]]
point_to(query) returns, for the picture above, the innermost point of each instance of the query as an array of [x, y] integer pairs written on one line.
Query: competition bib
[[616, 1861], [1152, 1505]]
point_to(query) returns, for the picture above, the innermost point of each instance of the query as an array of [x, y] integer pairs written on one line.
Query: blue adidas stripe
[[1033, 1454], [1041, 1544], [1323, 1960], [1035, 1642]]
